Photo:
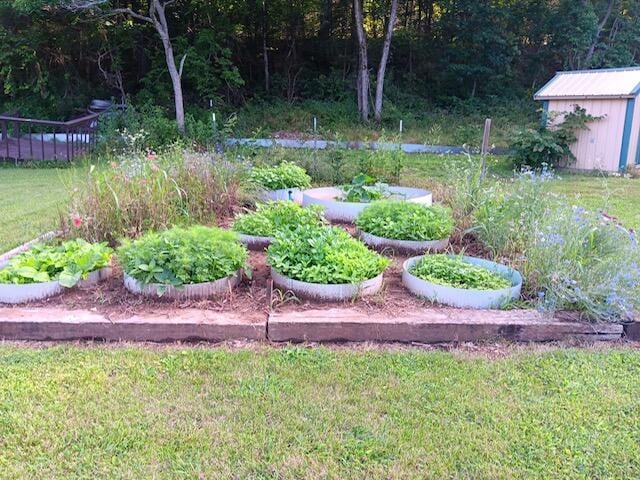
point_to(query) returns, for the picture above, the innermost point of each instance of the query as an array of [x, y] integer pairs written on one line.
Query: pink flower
[[151, 156], [76, 220]]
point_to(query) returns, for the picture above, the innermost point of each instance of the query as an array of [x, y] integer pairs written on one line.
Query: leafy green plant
[[364, 189], [455, 272], [68, 262], [550, 145], [182, 256], [327, 255], [401, 220], [284, 175], [273, 217]]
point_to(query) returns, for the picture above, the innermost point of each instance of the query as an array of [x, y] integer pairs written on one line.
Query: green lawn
[[30, 199], [128, 412]]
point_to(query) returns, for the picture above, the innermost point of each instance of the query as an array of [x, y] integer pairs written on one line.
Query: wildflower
[[151, 156], [76, 220]]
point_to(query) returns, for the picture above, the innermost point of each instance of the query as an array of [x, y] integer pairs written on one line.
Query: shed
[[613, 142]]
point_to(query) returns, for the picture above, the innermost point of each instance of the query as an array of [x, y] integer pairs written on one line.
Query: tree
[[155, 15], [377, 112]]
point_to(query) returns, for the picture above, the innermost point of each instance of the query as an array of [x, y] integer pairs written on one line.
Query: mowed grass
[[29, 201], [127, 412]]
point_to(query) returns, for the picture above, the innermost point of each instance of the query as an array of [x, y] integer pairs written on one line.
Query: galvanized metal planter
[[13, 294], [254, 242], [460, 297], [336, 210], [323, 291], [408, 246], [95, 277], [294, 194], [192, 291]]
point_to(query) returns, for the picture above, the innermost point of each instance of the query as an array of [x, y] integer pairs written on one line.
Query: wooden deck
[[24, 149]]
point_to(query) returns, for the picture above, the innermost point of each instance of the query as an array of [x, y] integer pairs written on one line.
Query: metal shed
[[613, 142]]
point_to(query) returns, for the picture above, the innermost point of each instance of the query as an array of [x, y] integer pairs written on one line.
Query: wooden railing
[[31, 139]]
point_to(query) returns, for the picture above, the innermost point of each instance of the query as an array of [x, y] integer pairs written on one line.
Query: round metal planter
[[194, 291], [294, 194], [336, 210], [408, 246], [254, 242], [460, 297], [323, 291], [13, 294], [95, 277]]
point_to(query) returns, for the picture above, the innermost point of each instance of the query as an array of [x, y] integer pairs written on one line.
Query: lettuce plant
[[285, 175], [326, 255], [400, 220], [182, 256], [455, 272], [67, 262], [273, 217]]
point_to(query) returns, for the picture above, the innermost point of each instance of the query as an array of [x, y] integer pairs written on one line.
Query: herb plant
[[68, 262], [273, 217], [455, 272], [326, 255], [364, 189], [284, 175], [400, 220], [182, 256]]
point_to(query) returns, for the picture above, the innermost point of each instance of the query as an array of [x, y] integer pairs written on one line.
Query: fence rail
[[34, 139]]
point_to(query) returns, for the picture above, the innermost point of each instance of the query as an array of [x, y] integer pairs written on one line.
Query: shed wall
[[599, 147], [634, 147]]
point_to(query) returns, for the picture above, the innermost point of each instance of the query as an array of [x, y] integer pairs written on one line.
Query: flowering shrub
[[571, 259], [145, 191]]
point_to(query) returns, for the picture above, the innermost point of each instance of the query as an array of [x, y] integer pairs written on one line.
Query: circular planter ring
[[95, 277], [254, 242], [13, 293], [193, 291], [294, 194], [461, 297], [336, 210], [409, 246], [323, 291]]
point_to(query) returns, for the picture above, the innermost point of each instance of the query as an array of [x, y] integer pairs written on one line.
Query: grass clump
[[68, 262], [455, 272], [143, 192], [401, 220], [182, 256], [284, 175], [273, 217], [326, 255]]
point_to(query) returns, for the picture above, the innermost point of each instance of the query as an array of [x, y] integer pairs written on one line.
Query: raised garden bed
[[339, 211], [480, 298], [281, 182], [179, 263], [405, 226]]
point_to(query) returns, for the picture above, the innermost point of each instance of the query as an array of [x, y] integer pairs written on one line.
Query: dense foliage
[[68, 262], [284, 175], [182, 256], [455, 272], [327, 255], [273, 217], [400, 220], [571, 259], [363, 189], [55, 60], [139, 192]]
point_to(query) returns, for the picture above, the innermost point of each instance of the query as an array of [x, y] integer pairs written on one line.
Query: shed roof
[[606, 83]]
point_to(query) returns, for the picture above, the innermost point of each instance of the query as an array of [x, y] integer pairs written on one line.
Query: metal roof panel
[[606, 83]]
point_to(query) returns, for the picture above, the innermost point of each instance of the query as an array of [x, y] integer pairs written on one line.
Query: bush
[[68, 262], [326, 255], [182, 256], [401, 220], [571, 259], [143, 192], [285, 175], [455, 272], [273, 217]]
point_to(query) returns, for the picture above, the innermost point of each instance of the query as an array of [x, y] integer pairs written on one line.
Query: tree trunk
[[363, 63], [160, 23], [265, 52], [596, 39], [383, 60]]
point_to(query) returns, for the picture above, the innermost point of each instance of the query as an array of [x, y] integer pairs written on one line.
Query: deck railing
[[32, 139]]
